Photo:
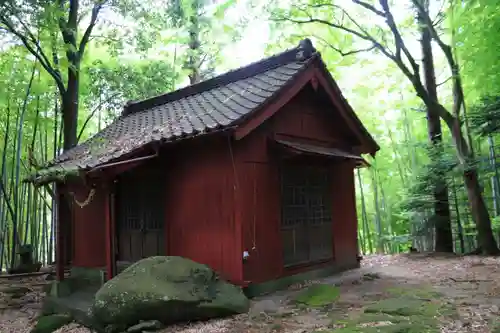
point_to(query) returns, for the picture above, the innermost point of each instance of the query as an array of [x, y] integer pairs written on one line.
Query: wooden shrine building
[[250, 172]]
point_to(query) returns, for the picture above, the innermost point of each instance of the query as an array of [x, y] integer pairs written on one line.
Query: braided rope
[[85, 202]]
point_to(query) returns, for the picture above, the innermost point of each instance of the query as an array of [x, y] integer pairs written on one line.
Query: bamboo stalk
[[17, 207]]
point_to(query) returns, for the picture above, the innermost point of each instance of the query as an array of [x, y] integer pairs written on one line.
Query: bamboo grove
[[156, 51]]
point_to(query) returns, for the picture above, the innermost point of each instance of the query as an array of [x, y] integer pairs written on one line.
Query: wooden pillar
[[112, 214], [59, 197], [110, 231]]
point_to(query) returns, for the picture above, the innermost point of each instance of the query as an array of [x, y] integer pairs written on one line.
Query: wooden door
[[140, 215], [306, 215]]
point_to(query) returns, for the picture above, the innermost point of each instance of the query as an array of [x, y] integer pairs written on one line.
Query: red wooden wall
[[345, 220], [223, 197], [200, 220], [200, 207], [88, 228], [300, 120]]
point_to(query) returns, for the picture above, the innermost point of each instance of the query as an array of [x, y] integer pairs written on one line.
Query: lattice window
[[306, 214], [140, 216]]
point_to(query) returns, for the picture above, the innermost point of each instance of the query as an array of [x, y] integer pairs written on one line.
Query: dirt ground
[[394, 294]]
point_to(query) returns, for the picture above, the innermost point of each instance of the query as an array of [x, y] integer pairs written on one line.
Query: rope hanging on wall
[[85, 202]]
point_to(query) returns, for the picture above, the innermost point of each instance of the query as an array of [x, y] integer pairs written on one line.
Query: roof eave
[[47, 176], [57, 173]]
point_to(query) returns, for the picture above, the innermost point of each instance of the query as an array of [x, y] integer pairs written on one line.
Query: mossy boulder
[[51, 323], [167, 289]]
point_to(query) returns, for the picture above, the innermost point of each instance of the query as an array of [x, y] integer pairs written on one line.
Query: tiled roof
[[205, 107], [213, 105]]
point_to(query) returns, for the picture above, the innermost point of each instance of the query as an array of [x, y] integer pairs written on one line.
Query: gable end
[[318, 76]]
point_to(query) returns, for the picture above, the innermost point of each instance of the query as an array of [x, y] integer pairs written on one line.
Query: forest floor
[[394, 294]]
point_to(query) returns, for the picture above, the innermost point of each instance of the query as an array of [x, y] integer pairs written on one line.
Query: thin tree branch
[[439, 17], [93, 19], [91, 115], [36, 51], [448, 79], [358, 34], [93, 37], [343, 53], [204, 58], [428, 21], [398, 39], [370, 8]]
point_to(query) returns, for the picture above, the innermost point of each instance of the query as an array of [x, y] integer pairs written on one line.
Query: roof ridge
[[303, 51]]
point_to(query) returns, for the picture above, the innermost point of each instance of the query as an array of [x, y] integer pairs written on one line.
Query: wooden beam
[[113, 225], [133, 160], [59, 233], [238, 217], [110, 258], [314, 82]]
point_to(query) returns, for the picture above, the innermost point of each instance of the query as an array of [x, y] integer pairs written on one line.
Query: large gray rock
[[167, 289]]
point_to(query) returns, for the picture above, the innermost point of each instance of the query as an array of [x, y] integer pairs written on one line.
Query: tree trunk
[[364, 217], [70, 112], [478, 208], [69, 97], [378, 222], [442, 215], [495, 182], [460, 231], [480, 214]]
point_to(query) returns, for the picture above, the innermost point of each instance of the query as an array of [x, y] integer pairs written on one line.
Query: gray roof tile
[[210, 108]]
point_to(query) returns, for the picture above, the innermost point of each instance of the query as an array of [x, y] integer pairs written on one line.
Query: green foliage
[[200, 29], [476, 24], [485, 116], [442, 162]]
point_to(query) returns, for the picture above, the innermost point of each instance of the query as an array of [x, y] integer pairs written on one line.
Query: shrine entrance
[[306, 213], [140, 215]]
